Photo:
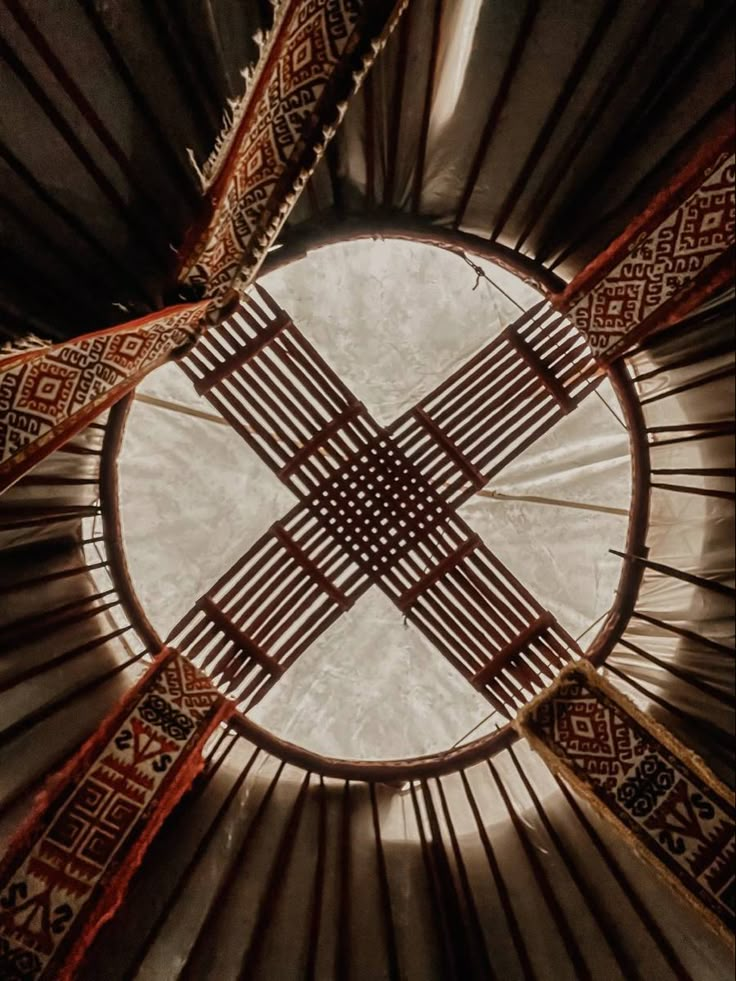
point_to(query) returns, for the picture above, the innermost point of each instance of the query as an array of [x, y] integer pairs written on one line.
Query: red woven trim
[[711, 279], [19, 463], [661, 206], [15, 467], [37, 353], [116, 889], [541, 722], [34, 824], [108, 888], [283, 15], [373, 25]]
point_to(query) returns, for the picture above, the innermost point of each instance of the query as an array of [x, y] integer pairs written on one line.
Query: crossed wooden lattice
[[379, 505]]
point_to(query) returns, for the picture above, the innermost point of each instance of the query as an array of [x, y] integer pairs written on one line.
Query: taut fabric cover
[[68, 868], [674, 811]]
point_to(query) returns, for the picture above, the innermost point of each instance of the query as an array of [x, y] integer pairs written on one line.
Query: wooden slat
[[319, 439], [548, 379], [249, 966], [474, 612], [378, 505], [312, 569], [246, 645], [498, 403], [604, 920], [191, 969], [250, 349], [513, 649], [243, 632], [554, 907], [436, 573], [421, 153], [515, 59], [502, 890], [279, 394], [451, 449]]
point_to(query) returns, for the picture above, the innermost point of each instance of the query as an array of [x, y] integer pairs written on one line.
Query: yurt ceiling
[[539, 126], [493, 150]]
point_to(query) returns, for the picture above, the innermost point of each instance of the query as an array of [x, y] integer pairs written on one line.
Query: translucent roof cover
[[393, 319]]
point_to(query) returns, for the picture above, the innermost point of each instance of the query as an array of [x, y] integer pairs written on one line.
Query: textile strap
[[666, 802], [48, 394], [68, 867], [314, 60], [671, 259]]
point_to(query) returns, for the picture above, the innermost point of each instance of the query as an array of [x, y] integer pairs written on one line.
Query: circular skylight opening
[[471, 499]]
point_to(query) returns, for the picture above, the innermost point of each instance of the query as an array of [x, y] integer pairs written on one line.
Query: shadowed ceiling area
[[540, 126], [406, 311]]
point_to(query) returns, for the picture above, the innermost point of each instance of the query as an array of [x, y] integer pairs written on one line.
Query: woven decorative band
[[676, 255], [314, 59], [677, 815], [48, 394], [68, 867]]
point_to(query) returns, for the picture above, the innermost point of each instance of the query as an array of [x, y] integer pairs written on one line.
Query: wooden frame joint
[[547, 377], [517, 646], [254, 653]]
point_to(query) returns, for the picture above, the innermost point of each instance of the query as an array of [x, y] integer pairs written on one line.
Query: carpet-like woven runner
[[313, 60], [68, 867], [676, 255], [49, 393], [677, 815]]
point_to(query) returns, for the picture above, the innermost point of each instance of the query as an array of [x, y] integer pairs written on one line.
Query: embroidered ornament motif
[[50, 392], [678, 815], [668, 262], [67, 870], [315, 58]]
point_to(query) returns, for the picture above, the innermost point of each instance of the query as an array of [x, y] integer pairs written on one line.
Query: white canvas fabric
[[393, 319]]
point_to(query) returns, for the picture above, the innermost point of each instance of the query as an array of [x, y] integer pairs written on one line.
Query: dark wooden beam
[[421, 156]]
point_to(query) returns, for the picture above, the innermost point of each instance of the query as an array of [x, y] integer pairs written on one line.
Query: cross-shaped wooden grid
[[379, 505]]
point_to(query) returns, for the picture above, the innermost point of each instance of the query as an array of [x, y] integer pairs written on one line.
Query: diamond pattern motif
[[49, 393], [680, 816], [56, 882], [677, 261], [282, 127]]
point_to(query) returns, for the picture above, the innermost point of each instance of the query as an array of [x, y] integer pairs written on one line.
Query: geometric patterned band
[[673, 810], [67, 869], [312, 62], [50, 393], [673, 257], [316, 55]]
